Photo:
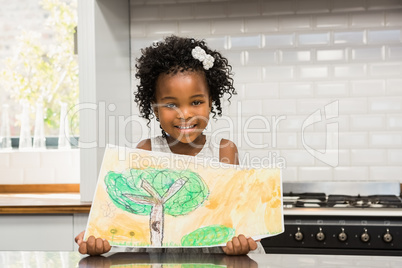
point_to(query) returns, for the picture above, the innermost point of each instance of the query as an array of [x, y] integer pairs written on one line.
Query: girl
[[181, 83]]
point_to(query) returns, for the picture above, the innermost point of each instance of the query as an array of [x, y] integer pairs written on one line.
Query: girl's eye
[[197, 102], [170, 105]]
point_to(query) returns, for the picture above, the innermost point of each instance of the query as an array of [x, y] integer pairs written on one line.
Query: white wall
[[292, 58]]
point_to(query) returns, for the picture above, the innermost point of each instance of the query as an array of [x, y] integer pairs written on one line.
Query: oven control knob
[[387, 237], [365, 237], [320, 235], [342, 236], [298, 235]]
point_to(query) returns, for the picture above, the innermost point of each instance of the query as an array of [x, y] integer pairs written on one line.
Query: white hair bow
[[206, 59]]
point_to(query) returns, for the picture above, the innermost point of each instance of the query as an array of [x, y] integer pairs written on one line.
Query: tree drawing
[[155, 192], [209, 235]]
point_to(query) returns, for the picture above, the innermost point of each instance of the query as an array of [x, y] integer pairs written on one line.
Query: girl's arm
[[145, 145], [228, 152]]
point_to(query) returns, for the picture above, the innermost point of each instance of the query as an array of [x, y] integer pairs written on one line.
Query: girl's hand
[[92, 246], [239, 246]]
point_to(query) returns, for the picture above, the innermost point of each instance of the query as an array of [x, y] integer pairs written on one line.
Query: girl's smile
[[182, 105]]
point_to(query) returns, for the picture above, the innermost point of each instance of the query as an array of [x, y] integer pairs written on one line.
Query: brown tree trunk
[[156, 225]]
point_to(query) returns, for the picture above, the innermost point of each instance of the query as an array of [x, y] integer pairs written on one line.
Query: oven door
[[340, 235]]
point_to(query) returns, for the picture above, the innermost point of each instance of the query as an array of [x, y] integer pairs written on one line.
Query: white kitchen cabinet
[[38, 232]]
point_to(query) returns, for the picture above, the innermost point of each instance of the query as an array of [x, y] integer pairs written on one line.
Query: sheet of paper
[[152, 199]]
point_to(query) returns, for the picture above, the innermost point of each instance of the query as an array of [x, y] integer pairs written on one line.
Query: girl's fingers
[[252, 244], [106, 246], [99, 246], [244, 247], [83, 248], [236, 246]]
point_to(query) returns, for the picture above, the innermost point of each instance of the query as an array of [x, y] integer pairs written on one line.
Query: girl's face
[[182, 105]]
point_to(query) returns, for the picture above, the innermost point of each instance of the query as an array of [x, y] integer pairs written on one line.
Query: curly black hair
[[172, 55]]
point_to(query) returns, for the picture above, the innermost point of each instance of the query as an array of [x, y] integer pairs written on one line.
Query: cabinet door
[[36, 232]]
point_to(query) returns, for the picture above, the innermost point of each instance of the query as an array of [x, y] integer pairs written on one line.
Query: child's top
[[211, 150]]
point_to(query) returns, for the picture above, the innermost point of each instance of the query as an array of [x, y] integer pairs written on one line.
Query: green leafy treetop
[[155, 192]]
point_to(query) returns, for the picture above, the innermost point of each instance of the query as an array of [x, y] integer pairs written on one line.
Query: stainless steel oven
[[340, 218]]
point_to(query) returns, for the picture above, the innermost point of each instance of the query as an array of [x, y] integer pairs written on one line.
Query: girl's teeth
[[186, 127]]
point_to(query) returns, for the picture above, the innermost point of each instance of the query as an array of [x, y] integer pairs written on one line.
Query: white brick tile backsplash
[[313, 39], [363, 20], [309, 106], [393, 18], [279, 107], [260, 24], [395, 156], [278, 7], [250, 73], [262, 91], [353, 140], [235, 57], [295, 22], [261, 57], [384, 173], [368, 157], [295, 56], [278, 73], [295, 90], [394, 122], [162, 28], [286, 140], [367, 53], [138, 29], [386, 69], [227, 26], [244, 9], [195, 28], [67, 175], [347, 6], [315, 174], [351, 173], [332, 89], [349, 37], [144, 13], [295, 158], [177, 12], [39, 175], [12, 176], [312, 6], [394, 87], [211, 10], [246, 41], [367, 88], [333, 21], [331, 55], [383, 4], [313, 72], [291, 58], [385, 140], [367, 122], [20, 159], [395, 52], [385, 104], [4, 159], [352, 106], [219, 43], [383, 36], [350, 71], [293, 123], [289, 174]]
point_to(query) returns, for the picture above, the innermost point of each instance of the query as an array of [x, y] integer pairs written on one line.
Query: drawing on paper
[[155, 192], [154, 199]]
